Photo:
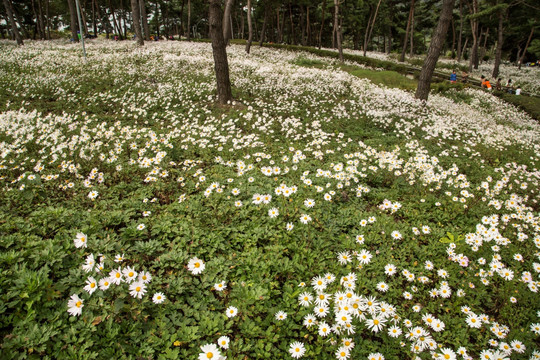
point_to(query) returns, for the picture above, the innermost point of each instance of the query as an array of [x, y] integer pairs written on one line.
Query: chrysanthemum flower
[[80, 240], [196, 266], [158, 298], [75, 305], [231, 311], [210, 351], [137, 289], [297, 350]]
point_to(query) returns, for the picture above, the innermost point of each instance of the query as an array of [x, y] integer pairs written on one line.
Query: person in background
[[509, 86], [465, 76], [518, 90], [498, 85], [453, 77], [485, 83]]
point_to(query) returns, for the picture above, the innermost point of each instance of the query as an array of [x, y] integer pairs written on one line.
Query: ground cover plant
[[319, 216]]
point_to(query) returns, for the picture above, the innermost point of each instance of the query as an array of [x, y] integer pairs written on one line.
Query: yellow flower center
[[376, 322], [209, 355], [93, 285], [78, 304], [117, 275], [347, 343], [197, 265], [446, 356], [138, 288], [297, 349], [130, 274]]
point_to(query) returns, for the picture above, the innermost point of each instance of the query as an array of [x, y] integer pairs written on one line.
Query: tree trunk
[[182, 17], [227, 33], [474, 31], [308, 28], [14, 29], [219, 50], [73, 20], [250, 27], [338, 29], [322, 23], [459, 52], [368, 38], [464, 46], [265, 21], [48, 18], [407, 29], [38, 27], [411, 47], [188, 20], [135, 9], [437, 42], [525, 48], [292, 38], [453, 39], [498, 52], [144, 19], [388, 44], [41, 19], [84, 22]]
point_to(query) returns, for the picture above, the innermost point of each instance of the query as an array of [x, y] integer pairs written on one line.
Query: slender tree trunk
[[453, 39], [366, 34], [292, 38], [188, 20], [437, 42], [42, 19], [135, 9], [388, 44], [250, 27], [38, 27], [182, 17], [498, 52], [525, 48], [144, 19], [474, 31], [411, 47], [227, 33], [338, 29], [73, 20], [84, 22], [47, 15], [464, 46], [368, 39], [219, 49], [308, 28], [459, 52], [322, 23], [14, 29], [265, 21]]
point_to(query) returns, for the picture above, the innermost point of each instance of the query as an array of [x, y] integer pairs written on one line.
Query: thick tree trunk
[[135, 9], [219, 49], [338, 29], [144, 19], [407, 29], [263, 30], [322, 23], [182, 17], [14, 29], [73, 20], [227, 33], [38, 26], [437, 42], [368, 39], [525, 48], [250, 27], [498, 52], [459, 52]]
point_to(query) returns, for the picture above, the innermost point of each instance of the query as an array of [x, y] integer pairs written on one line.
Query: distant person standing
[[498, 85], [518, 91], [453, 77]]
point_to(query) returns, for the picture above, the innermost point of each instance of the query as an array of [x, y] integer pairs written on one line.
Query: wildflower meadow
[[318, 216]]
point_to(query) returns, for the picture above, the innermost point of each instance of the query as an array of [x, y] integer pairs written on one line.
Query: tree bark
[[525, 48], [437, 42], [144, 19], [453, 39], [73, 20], [498, 52], [250, 27], [308, 28], [338, 29], [219, 50], [292, 39], [370, 27], [407, 29], [322, 23], [14, 29], [411, 46], [135, 9], [227, 33]]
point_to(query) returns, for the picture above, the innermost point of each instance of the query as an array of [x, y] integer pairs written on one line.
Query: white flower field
[[318, 216]]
